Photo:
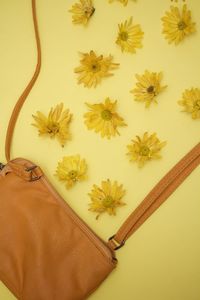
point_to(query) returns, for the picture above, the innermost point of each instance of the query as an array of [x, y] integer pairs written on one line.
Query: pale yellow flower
[[124, 2], [71, 170], [56, 124], [145, 148], [103, 118], [82, 11], [177, 24], [106, 198], [148, 87], [93, 68], [129, 36], [191, 102]]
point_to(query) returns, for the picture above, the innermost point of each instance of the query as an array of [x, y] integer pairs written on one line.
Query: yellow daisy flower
[[106, 198], [103, 118], [177, 1], [191, 102], [93, 68], [124, 2], [71, 170], [82, 11], [56, 124], [145, 148], [129, 36], [148, 87], [177, 24]]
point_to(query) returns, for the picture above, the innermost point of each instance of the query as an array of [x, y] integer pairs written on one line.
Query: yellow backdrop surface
[[161, 260]]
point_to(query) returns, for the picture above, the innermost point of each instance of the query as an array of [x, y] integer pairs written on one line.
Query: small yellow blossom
[[124, 2], [106, 198], [145, 148], [148, 87], [56, 124], [93, 68], [129, 36], [177, 1], [177, 24], [71, 170], [82, 11], [191, 102], [103, 118]]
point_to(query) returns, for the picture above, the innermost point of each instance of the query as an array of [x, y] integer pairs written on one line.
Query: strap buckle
[[33, 177], [118, 245]]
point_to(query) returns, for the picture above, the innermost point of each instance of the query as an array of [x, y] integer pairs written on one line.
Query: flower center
[[197, 105], [95, 67], [73, 175], [53, 128], [106, 115], [181, 25], [124, 36], [88, 10], [108, 201], [144, 151], [150, 89]]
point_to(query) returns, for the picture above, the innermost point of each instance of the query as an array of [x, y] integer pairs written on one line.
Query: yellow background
[[161, 261]]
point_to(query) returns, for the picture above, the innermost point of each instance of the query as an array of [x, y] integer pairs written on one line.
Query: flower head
[[71, 170], [93, 68], [56, 124], [177, 24], [129, 36], [103, 118], [82, 12], [124, 2], [148, 87], [145, 148], [191, 102], [106, 198]]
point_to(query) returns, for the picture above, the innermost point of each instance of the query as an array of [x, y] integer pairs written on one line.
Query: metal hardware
[[1, 166], [118, 245], [33, 177]]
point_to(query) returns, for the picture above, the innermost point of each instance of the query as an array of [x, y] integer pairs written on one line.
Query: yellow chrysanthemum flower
[[56, 124], [148, 87], [71, 170], [103, 118], [129, 36], [93, 68], [82, 12], [145, 148], [191, 102], [177, 24], [124, 2], [106, 198]]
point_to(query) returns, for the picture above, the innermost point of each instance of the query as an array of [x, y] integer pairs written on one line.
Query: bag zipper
[[100, 243]]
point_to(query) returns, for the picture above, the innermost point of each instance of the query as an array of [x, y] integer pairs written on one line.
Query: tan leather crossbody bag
[[46, 251]]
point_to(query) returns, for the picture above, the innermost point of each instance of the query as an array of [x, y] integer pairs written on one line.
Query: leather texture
[[46, 251]]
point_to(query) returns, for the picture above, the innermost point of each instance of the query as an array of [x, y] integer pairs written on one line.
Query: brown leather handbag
[[46, 251]]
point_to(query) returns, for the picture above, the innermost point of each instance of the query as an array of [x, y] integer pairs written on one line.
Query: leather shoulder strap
[[27, 90], [163, 189]]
